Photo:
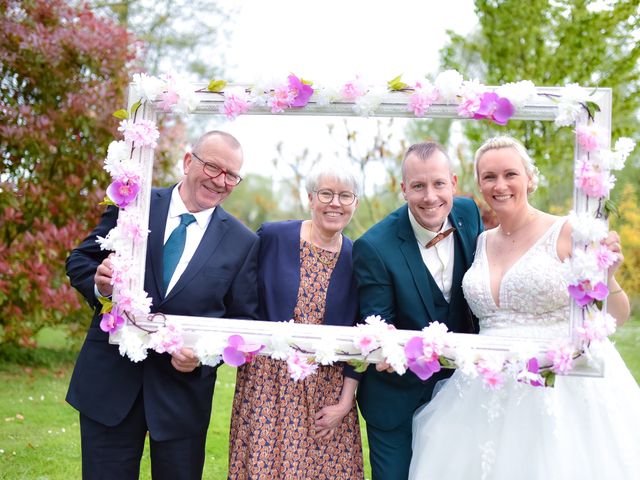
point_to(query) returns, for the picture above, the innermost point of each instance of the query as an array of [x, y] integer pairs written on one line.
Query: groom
[[213, 274], [409, 270]]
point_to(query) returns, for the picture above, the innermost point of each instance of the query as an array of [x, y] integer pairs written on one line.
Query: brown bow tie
[[440, 236]]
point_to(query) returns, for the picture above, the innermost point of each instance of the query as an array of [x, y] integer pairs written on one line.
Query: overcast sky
[[330, 41]]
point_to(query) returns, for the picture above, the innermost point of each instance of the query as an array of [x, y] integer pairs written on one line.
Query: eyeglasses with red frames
[[212, 170]]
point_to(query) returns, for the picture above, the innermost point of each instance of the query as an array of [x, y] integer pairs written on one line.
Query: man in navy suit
[[168, 396], [409, 270]]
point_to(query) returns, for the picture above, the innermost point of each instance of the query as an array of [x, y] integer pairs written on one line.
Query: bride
[[583, 428]]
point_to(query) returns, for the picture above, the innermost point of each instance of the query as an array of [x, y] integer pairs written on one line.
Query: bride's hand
[[612, 242]]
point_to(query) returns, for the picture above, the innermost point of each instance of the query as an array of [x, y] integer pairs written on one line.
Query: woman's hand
[[329, 418], [612, 242]]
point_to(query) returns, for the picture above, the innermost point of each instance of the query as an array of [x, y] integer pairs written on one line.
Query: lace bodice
[[534, 301]]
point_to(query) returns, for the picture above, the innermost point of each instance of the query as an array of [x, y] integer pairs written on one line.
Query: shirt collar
[[423, 236], [177, 208]]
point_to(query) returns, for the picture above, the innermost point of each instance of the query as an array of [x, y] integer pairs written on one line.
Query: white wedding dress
[[584, 428]]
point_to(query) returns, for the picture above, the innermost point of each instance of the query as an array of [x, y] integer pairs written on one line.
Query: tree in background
[[63, 71], [551, 42]]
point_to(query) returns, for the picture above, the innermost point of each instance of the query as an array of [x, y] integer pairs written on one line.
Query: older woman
[[586, 428], [307, 429]]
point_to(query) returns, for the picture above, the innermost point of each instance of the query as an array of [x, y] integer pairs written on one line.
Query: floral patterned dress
[[272, 423]]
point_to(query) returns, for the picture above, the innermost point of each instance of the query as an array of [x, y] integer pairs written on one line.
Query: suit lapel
[[410, 250], [462, 235], [158, 211]]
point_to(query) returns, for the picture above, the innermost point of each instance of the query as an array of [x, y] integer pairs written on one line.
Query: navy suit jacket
[[279, 278], [219, 281], [394, 282]]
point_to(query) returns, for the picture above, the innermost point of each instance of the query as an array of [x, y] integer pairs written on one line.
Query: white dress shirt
[[438, 258], [195, 231]]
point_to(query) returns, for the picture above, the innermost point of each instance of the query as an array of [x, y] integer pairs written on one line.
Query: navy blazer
[[393, 282], [219, 281], [279, 278]]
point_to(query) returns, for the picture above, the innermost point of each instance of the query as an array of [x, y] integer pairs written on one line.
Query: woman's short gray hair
[[505, 141], [342, 172]]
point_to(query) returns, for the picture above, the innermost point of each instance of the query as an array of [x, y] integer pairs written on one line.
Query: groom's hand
[[185, 360]]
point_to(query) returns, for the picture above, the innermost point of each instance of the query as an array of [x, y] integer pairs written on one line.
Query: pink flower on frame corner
[[111, 321], [562, 359], [301, 89]]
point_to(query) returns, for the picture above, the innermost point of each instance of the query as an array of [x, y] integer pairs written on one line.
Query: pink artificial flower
[[366, 343], [495, 108], [605, 257], [597, 326], [590, 137], [491, 373], [421, 99], [531, 374], [301, 91], [142, 133], [584, 292], [299, 367], [235, 104], [353, 89], [469, 106], [168, 99], [167, 339], [280, 99], [238, 352], [592, 182], [111, 322], [122, 193], [422, 357], [562, 359]]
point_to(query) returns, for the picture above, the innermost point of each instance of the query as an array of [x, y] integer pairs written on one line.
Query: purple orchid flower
[[495, 108], [123, 193], [111, 322], [238, 352], [422, 365], [584, 293], [301, 90]]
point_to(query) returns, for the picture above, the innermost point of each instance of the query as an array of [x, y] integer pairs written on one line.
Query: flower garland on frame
[[432, 349]]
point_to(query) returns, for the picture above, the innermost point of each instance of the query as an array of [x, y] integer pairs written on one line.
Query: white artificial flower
[[393, 353], [132, 343], [449, 84], [465, 360], [114, 241], [367, 104], [187, 96], [117, 153], [326, 94], [587, 229], [209, 349], [147, 87], [572, 97], [518, 93], [581, 266], [325, 351], [279, 345]]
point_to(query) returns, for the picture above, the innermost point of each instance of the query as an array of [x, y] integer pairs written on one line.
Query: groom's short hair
[[424, 150]]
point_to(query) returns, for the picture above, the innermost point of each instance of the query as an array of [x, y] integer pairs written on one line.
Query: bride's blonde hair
[[505, 141]]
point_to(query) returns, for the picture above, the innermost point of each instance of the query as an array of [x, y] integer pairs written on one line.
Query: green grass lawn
[[39, 433]]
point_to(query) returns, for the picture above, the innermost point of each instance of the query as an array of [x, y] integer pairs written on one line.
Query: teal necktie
[[174, 247]]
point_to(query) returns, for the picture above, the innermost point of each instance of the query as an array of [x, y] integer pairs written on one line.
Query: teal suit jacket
[[394, 282]]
